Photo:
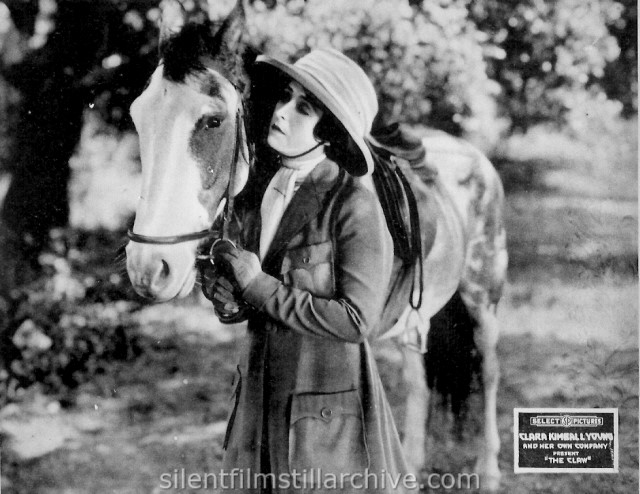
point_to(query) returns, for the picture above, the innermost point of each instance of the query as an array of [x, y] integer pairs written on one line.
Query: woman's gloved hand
[[220, 292], [243, 264], [218, 283]]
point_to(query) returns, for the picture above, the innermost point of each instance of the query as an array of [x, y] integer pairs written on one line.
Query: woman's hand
[[222, 297], [244, 265], [219, 290]]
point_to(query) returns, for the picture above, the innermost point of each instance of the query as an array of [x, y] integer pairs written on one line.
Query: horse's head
[[189, 120]]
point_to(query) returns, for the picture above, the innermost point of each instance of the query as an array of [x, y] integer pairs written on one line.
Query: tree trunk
[[47, 129]]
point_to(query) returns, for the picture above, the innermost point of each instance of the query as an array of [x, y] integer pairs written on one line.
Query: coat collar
[[304, 205]]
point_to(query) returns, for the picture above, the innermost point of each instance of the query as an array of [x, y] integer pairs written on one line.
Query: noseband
[[209, 233]]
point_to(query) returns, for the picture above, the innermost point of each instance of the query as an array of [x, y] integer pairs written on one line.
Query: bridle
[[223, 234]]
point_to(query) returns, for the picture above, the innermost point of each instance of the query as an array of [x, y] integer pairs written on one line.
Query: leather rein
[[223, 235]]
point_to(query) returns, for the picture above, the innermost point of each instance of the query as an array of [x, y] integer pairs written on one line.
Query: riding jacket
[[308, 403]]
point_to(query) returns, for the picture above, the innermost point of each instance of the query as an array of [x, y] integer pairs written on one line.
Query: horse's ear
[[172, 19], [232, 29]]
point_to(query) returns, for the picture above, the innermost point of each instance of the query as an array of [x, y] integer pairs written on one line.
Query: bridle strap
[[209, 233], [171, 239], [232, 178]]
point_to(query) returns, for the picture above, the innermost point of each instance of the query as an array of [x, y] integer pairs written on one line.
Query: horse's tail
[[452, 361]]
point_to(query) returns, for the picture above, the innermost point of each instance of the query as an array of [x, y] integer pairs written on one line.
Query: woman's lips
[[276, 128]]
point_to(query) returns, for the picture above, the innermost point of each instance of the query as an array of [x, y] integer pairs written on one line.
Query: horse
[[194, 121]]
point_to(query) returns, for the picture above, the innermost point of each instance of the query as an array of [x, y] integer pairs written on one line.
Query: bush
[[67, 327]]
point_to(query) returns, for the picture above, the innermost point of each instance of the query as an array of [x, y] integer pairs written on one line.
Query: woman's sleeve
[[362, 261]]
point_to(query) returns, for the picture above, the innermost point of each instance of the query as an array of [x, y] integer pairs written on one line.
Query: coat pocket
[[235, 396], [310, 267], [327, 433]]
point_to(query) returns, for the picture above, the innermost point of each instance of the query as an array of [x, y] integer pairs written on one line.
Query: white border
[[517, 469]]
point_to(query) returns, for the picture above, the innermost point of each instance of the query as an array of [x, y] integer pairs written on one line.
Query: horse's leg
[[486, 340], [486, 335], [481, 288], [416, 407]]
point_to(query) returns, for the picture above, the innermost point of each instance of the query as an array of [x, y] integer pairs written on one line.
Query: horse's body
[[190, 123]]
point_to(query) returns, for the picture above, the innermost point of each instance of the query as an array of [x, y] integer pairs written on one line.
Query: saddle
[[393, 148]]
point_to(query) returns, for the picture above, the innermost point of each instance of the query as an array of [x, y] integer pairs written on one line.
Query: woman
[[309, 406]]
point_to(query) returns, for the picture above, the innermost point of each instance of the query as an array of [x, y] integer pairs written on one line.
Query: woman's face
[[293, 121]]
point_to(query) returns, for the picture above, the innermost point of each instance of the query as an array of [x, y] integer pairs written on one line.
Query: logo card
[[580, 440]]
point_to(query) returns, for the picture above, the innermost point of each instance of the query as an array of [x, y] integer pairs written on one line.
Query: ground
[[569, 319]]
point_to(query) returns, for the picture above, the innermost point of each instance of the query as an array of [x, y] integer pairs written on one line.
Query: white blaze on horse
[[193, 120]]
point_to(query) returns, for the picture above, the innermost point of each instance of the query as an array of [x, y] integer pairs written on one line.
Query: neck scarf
[[278, 195]]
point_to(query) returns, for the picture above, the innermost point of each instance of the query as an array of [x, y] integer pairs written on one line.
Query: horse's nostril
[[160, 275], [164, 272]]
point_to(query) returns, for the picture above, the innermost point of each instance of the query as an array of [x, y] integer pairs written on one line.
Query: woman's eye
[[211, 122], [304, 109]]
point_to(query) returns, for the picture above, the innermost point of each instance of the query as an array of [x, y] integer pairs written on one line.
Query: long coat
[[308, 404]]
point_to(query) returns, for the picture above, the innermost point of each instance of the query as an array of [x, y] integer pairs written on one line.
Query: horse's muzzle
[[161, 273]]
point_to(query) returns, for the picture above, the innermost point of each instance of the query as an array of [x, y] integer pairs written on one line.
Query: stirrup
[[415, 325]]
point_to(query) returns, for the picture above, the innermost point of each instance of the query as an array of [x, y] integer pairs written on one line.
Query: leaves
[[67, 326], [548, 50]]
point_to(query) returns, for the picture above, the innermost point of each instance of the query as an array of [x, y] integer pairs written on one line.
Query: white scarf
[[278, 195]]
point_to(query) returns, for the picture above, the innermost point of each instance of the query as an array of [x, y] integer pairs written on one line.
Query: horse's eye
[[211, 122]]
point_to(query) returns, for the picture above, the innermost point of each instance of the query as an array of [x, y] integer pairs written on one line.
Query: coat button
[[305, 260], [325, 413]]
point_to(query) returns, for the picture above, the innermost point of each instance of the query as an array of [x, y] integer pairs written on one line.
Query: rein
[[209, 233]]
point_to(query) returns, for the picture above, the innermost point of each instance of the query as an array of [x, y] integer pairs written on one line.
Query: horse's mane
[[197, 45], [182, 53]]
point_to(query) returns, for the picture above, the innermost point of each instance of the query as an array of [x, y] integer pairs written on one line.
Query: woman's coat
[[308, 401]]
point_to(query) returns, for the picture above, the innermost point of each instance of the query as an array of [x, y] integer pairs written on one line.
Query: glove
[[216, 285], [220, 292], [244, 266]]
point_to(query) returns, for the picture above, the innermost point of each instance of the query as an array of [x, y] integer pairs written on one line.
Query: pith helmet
[[345, 90]]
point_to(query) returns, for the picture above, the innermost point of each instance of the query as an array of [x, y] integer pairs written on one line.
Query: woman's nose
[[282, 109]]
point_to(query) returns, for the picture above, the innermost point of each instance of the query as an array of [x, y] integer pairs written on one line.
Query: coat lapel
[[303, 207]]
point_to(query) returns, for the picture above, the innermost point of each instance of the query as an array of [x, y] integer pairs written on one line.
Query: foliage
[[542, 52], [426, 64], [68, 326], [445, 64], [49, 56], [620, 79], [10, 48]]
